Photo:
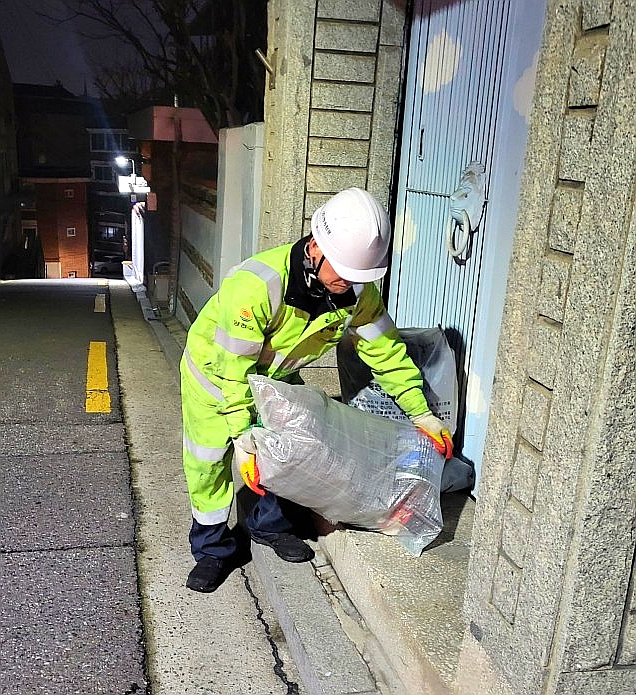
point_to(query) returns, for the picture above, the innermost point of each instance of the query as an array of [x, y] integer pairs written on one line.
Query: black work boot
[[287, 546], [208, 574]]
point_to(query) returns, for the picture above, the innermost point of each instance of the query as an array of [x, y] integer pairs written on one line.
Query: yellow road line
[[97, 395], [100, 303]]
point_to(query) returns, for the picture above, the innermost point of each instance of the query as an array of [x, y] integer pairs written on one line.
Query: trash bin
[[159, 284]]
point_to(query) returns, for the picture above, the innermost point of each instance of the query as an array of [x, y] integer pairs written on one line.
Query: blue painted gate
[[469, 86]]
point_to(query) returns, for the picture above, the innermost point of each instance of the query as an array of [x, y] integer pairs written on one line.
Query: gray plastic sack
[[457, 474], [431, 353]]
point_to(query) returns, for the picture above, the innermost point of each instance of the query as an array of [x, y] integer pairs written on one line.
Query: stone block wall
[[290, 52], [353, 105], [330, 118], [550, 600]]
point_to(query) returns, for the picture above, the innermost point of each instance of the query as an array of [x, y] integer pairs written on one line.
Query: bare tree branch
[[211, 66]]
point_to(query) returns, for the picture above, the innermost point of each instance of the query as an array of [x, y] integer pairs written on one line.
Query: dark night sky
[[38, 52]]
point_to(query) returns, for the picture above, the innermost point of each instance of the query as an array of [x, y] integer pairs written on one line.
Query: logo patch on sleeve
[[246, 315]]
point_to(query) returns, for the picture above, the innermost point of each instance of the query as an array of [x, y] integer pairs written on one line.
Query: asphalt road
[[94, 515]]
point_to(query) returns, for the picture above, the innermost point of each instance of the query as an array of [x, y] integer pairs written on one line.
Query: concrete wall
[[239, 191], [550, 600], [330, 116], [218, 232], [198, 241]]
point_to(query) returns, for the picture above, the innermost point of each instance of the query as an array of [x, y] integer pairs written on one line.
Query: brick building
[[59, 213], [66, 149]]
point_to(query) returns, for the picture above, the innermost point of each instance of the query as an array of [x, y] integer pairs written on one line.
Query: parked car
[[107, 264]]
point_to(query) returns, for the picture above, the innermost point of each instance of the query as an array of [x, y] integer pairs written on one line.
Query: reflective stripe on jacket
[[247, 328]]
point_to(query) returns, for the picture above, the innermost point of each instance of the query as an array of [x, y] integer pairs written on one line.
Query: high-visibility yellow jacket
[[255, 324]]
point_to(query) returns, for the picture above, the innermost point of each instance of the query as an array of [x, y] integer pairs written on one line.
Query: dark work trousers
[[266, 516]]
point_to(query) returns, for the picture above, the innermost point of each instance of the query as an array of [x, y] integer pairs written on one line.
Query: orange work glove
[[436, 431], [247, 466]]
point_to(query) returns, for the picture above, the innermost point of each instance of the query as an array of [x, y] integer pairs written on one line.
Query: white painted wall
[[238, 196], [233, 236]]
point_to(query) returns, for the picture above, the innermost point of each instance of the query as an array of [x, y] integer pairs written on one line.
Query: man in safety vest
[[275, 313]]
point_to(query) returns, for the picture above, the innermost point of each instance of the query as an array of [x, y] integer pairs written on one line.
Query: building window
[[71, 274], [98, 142], [111, 232], [29, 235], [102, 172], [69, 193], [70, 231], [108, 141], [122, 142]]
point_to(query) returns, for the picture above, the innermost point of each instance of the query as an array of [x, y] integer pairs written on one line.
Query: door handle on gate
[[464, 225], [466, 207]]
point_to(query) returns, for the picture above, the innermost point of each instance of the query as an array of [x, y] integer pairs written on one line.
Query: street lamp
[[132, 183], [122, 161]]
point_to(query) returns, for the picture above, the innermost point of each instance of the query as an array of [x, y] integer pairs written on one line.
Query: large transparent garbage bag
[[431, 353], [349, 466]]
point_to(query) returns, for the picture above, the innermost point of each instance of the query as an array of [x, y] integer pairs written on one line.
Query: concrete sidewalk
[[366, 616], [196, 642]]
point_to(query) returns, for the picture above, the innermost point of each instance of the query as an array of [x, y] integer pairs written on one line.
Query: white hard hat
[[353, 231]]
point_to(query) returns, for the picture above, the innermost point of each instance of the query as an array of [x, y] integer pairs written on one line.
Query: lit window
[[70, 231], [29, 234], [109, 233], [69, 192]]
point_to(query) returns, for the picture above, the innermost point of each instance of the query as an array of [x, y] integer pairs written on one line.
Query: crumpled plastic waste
[[349, 466]]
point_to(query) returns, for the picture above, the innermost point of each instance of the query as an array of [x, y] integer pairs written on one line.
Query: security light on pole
[[133, 183], [122, 161]]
